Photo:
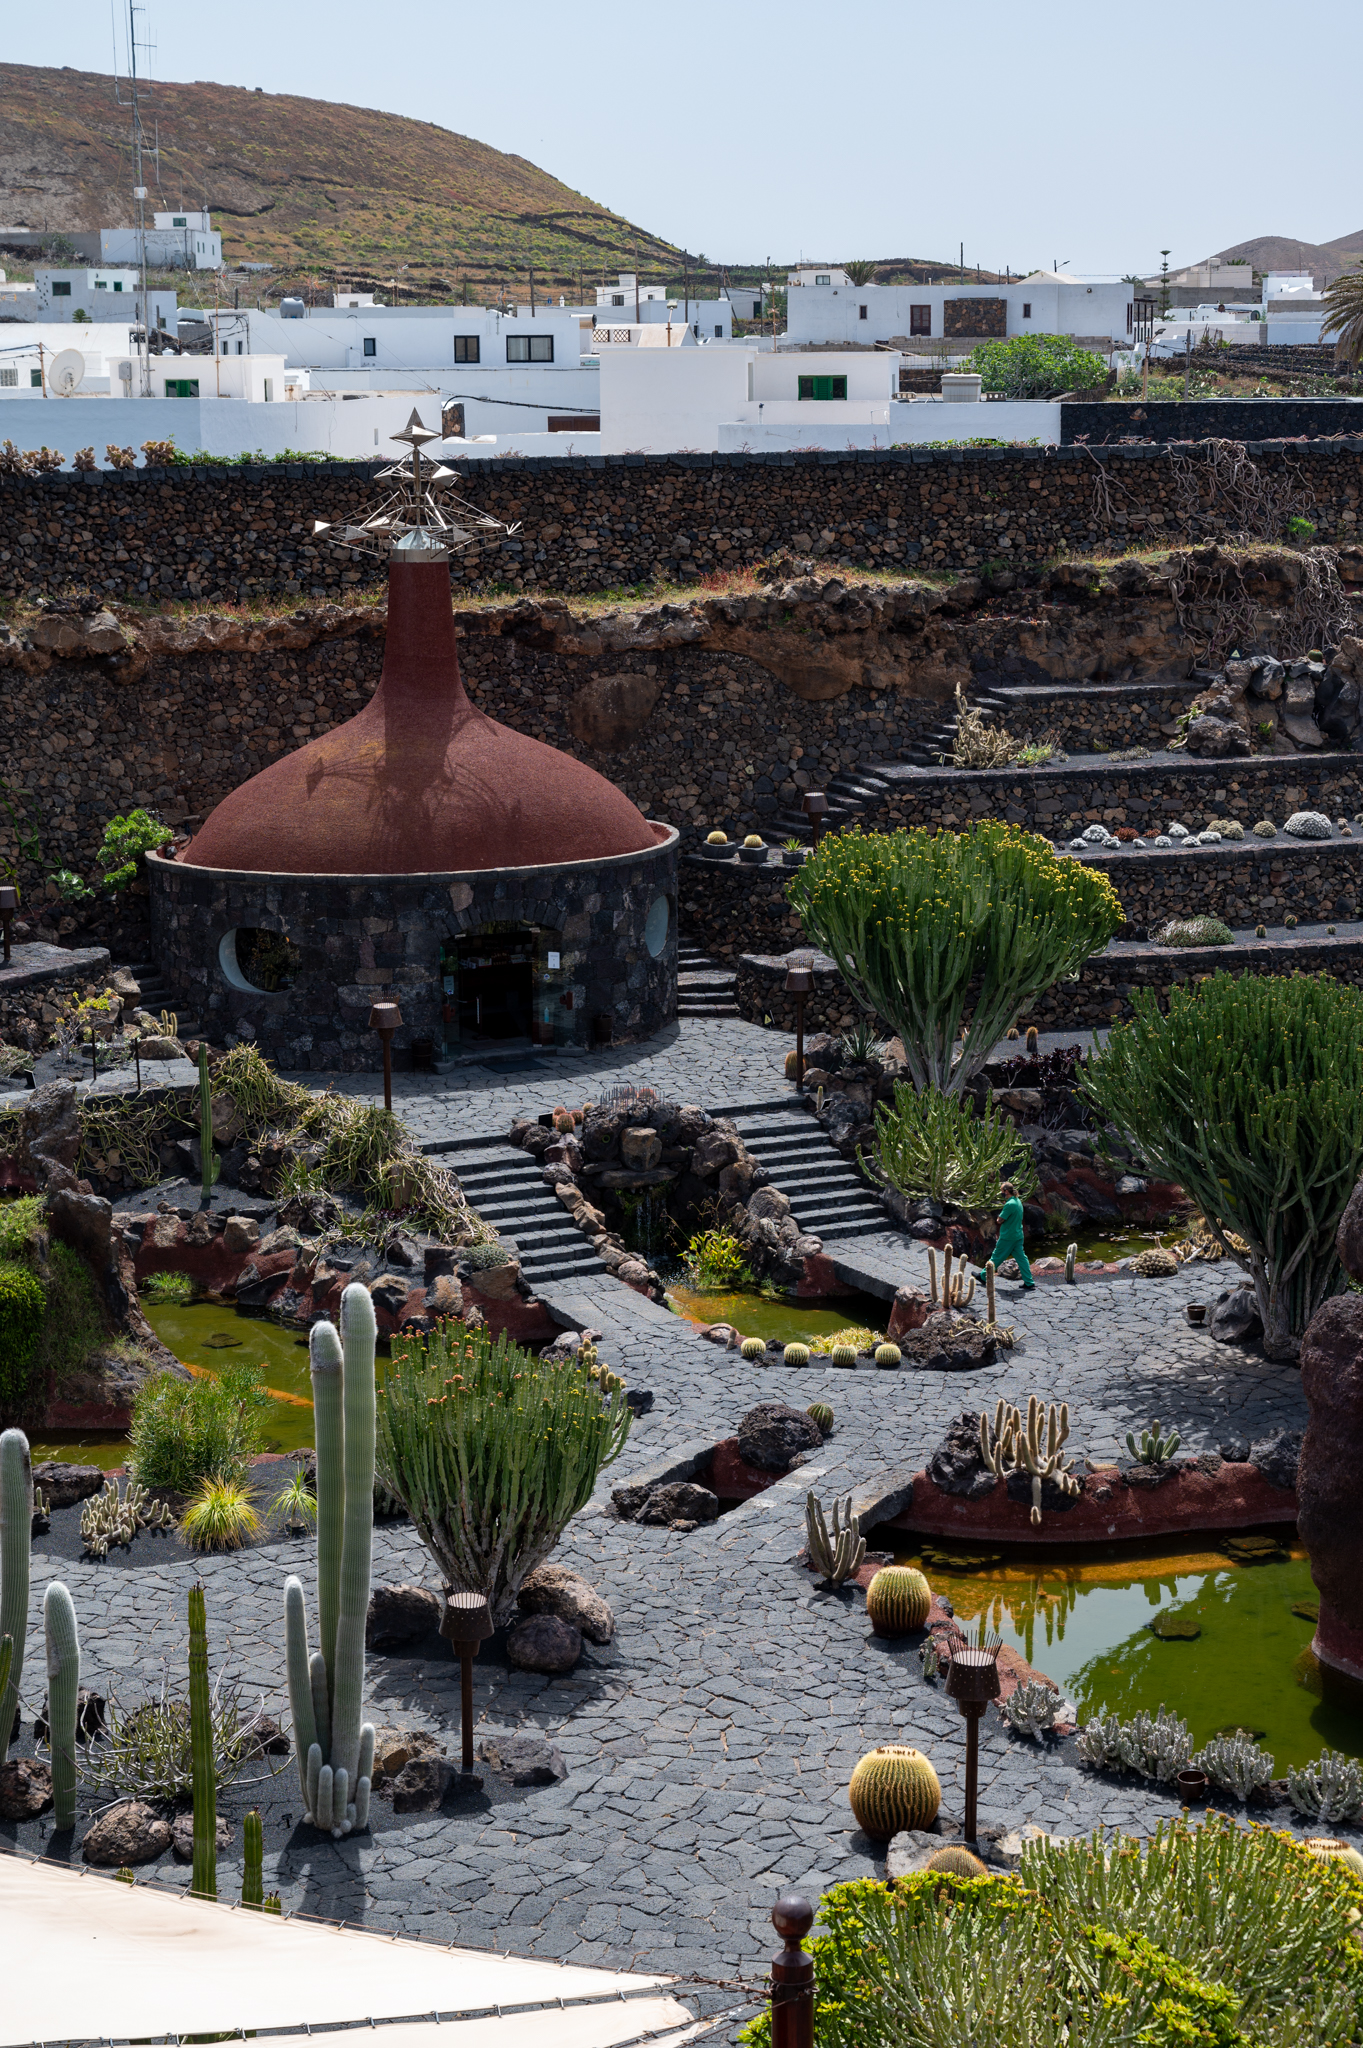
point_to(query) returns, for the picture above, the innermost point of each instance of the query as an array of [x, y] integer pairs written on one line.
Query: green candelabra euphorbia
[[932, 931], [1249, 1094]]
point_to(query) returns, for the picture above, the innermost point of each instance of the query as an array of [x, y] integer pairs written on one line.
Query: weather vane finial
[[413, 517]]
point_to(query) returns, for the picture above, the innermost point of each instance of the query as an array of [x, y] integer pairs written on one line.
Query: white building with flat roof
[[922, 318], [80, 295]]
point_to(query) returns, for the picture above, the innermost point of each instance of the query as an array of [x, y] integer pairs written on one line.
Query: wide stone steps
[[828, 1199], [157, 995], [850, 792], [504, 1185]]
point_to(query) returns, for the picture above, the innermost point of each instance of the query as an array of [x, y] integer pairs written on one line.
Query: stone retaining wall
[[594, 522], [1199, 419], [1102, 995]]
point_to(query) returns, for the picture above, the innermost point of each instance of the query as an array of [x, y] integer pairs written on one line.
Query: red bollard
[[792, 1975]]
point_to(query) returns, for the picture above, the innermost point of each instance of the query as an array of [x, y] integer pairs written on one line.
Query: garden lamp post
[[386, 1018], [792, 1975], [800, 985], [468, 1622], [972, 1681], [9, 903], [815, 808]]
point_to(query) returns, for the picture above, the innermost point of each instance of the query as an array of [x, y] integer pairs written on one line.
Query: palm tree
[[860, 273], [1344, 317]]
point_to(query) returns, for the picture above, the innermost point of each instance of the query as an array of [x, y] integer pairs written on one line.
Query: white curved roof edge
[[104, 1961]]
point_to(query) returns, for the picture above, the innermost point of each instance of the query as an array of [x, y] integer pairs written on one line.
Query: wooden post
[[973, 1711], [792, 1975]]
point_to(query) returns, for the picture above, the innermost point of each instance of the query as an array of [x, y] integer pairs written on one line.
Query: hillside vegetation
[[305, 184]]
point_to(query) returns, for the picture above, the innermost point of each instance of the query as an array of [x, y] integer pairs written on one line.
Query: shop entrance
[[507, 985]]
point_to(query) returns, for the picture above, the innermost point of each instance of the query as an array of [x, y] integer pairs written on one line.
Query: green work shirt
[[1010, 1218]]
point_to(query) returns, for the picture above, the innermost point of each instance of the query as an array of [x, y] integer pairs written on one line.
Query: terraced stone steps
[[505, 1186], [828, 1199], [851, 793], [157, 995], [705, 988]]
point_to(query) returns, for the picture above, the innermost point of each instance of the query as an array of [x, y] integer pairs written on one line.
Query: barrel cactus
[[796, 1354], [821, 1415], [1156, 1264], [716, 839], [956, 1861], [894, 1788], [897, 1600], [1329, 1849], [752, 1347], [843, 1355], [888, 1356]]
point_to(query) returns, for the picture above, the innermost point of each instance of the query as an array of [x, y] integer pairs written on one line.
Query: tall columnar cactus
[[253, 1859], [207, 1158], [326, 1685], [63, 1691], [205, 1782], [16, 1537]]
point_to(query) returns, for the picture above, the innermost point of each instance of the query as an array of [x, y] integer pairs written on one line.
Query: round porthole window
[[656, 925], [264, 962]]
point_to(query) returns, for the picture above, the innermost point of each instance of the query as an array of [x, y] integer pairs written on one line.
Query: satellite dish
[[67, 372]]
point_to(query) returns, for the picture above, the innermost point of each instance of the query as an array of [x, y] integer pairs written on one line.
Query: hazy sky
[[1089, 134]]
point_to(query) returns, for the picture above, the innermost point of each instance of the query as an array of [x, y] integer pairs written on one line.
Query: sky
[[1083, 135]]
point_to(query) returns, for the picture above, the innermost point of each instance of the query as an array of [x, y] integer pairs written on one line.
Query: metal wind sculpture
[[421, 515]]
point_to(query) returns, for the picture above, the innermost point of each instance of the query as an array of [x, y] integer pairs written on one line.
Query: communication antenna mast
[[140, 143]]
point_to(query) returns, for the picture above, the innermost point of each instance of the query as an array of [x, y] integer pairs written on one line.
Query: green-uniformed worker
[[1009, 1245]]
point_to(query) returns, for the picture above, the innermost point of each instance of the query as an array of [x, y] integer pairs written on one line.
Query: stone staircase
[[828, 1198], [505, 1186], [704, 987], [157, 995], [849, 794]]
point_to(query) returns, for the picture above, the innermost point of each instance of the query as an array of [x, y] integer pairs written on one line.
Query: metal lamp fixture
[[9, 903], [972, 1681], [467, 1623], [386, 1018], [800, 985], [815, 808]]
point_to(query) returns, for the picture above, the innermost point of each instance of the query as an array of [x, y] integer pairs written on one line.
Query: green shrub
[[187, 1431], [76, 1323], [1033, 365], [716, 1258], [1249, 1095], [1194, 931], [23, 1303], [934, 1144], [1212, 1936], [492, 1450], [929, 929], [21, 1225], [124, 843]]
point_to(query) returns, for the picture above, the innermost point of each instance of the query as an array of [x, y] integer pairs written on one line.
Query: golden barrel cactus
[[956, 1861], [894, 1788], [897, 1600]]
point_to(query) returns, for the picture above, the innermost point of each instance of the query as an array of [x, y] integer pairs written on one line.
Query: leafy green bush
[[21, 1223], [716, 1258], [492, 1451], [1194, 931], [187, 1431], [928, 929], [1249, 1094], [1035, 365], [1212, 1936], [23, 1303], [124, 843], [934, 1144], [75, 1323]]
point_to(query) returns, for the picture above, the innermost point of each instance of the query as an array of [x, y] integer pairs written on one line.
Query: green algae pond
[[1233, 1648], [793, 1322]]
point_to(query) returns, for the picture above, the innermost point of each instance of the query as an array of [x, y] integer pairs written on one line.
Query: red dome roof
[[419, 782]]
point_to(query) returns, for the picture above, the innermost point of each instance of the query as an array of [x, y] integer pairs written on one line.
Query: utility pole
[[636, 285], [532, 291], [140, 195]]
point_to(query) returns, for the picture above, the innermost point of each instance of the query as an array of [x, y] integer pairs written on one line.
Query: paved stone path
[[709, 1746]]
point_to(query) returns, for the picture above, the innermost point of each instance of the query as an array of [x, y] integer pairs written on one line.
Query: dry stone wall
[[595, 522]]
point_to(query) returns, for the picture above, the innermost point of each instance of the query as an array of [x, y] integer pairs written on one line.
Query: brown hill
[[305, 184], [1325, 260]]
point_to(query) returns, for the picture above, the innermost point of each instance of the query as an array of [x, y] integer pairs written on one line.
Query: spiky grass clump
[[169, 1290], [856, 1337], [221, 1516], [183, 1432]]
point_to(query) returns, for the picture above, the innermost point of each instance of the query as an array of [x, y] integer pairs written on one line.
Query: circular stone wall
[[361, 939]]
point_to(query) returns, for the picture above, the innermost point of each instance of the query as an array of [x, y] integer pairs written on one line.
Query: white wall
[[657, 401], [360, 430], [496, 445], [517, 400], [404, 337], [832, 313], [906, 422]]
